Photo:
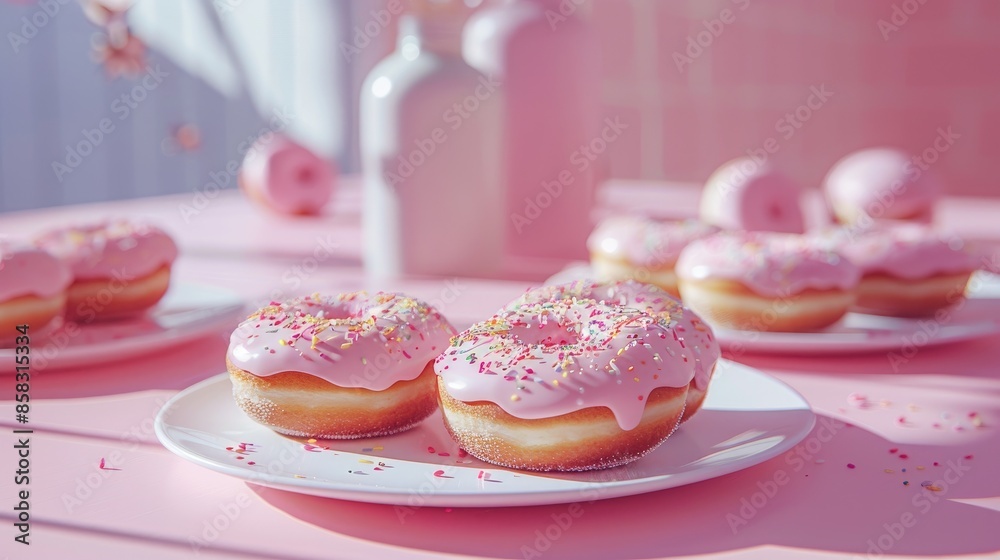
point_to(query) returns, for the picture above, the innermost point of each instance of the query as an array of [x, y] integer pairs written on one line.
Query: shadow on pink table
[[843, 489]]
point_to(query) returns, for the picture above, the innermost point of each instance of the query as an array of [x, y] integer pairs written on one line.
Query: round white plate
[[747, 418], [858, 332], [186, 312]]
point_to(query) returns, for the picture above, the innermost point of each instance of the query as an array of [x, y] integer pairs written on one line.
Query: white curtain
[[227, 68]]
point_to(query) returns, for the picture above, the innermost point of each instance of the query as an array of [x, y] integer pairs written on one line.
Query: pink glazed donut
[[287, 177], [881, 183], [641, 248], [908, 270], [751, 196], [350, 366], [694, 335], [32, 288], [564, 385], [120, 267], [766, 281]]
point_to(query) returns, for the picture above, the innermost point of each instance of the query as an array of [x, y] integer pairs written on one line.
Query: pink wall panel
[[938, 67]]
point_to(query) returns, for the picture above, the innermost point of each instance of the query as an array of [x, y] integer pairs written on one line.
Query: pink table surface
[[157, 504]]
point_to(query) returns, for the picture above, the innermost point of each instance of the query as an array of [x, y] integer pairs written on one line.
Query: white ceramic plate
[[186, 312], [747, 418], [858, 332]]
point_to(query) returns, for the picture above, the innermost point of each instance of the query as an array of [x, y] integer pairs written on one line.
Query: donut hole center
[[547, 335], [775, 211], [304, 176], [338, 312]]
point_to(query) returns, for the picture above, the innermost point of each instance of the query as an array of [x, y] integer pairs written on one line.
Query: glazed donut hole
[[547, 335], [766, 282]]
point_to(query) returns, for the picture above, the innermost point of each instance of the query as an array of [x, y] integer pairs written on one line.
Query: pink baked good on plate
[[564, 385], [766, 281], [908, 270], [346, 366], [642, 248], [32, 288], [120, 267], [701, 350]]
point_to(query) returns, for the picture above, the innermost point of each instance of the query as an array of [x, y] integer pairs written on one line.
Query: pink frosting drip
[[547, 359], [770, 264], [644, 241], [113, 248], [26, 270], [350, 340], [904, 250], [882, 179], [693, 333], [287, 177]]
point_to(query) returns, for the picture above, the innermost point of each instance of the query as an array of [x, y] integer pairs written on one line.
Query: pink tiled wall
[[939, 69]]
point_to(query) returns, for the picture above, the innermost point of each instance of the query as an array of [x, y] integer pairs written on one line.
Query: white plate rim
[[122, 349], [823, 343], [826, 343], [392, 496]]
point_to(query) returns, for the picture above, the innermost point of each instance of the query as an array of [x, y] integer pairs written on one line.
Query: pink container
[[546, 58]]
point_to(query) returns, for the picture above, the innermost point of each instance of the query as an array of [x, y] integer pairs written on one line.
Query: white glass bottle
[[430, 155], [547, 59]]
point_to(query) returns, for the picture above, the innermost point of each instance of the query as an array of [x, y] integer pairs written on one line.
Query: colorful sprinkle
[[857, 399]]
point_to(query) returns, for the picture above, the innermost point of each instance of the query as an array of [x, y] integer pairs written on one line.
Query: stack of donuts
[[749, 262], [84, 273], [567, 378]]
